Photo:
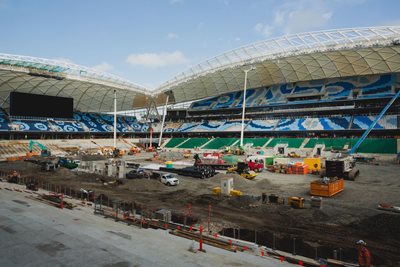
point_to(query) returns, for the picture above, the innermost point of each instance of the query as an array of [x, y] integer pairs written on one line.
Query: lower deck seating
[[66, 126], [219, 143], [194, 143], [292, 142], [370, 145], [257, 142], [173, 142], [3, 122], [30, 126]]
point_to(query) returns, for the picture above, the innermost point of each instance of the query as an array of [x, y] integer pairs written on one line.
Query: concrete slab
[[40, 235]]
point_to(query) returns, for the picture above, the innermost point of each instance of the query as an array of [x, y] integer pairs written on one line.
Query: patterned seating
[[261, 125], [371, 86], [3, 122], [93, 122], [188, 127], [363, 122], [66, 126], [30, 126]]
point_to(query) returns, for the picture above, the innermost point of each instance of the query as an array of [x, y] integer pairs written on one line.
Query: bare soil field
[[345, 218]]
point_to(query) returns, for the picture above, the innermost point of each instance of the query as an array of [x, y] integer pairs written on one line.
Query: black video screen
[[23, 104]]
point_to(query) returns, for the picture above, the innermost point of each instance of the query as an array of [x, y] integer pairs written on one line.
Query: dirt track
[[345, 218]]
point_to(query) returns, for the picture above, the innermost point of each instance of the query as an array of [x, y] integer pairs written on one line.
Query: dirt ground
[[343, 219]]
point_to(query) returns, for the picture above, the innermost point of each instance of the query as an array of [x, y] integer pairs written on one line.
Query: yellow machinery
[[314, 164], [245, 173], [236, 193], [296, 202], [233, 193], [217, 190], [293, 155]]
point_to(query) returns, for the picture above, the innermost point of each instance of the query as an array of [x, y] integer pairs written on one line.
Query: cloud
[[299, 16], [264, 29], [104, 67], [172, 35], [154, 60]]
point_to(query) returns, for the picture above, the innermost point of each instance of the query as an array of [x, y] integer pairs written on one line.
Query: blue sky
[[148, 42]]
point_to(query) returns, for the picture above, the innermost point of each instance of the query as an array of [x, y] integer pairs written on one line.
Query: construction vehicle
[[293, 155], [187, 154], [150, 148], [45, 152], [243, 170], [110, 151], [233, 150], [67, 163], [215, 162], [255, 164], [341, 167], [133, 150]]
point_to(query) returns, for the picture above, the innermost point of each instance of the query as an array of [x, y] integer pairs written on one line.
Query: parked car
[[169, 179]]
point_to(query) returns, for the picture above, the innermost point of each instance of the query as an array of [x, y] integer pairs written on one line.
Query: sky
[[149, 42]]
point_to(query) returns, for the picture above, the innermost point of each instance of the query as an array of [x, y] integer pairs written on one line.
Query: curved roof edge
[[288, 45], [68, 70]]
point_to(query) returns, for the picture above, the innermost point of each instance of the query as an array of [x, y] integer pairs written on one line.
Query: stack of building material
[[298, 168]]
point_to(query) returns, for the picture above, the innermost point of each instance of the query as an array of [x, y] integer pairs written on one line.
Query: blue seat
[[66, 126], [3, 122], [93, 122], [188, 127], [31, 125]]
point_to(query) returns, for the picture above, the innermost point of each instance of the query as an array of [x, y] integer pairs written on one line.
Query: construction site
[[284, 152], [275, 213]]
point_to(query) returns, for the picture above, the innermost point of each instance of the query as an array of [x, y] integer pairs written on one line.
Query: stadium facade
[[328, 83]]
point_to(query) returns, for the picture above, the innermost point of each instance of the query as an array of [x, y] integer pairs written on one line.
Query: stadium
[[312, 95]]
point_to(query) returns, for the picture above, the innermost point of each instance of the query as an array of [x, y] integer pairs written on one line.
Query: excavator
[[46, 161], [133, 150], [110, 151], [45, 152]]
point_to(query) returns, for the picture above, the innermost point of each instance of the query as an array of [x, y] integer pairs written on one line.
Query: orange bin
[[326, 190]]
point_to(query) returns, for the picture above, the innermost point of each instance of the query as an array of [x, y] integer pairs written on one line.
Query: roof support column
[[244, 104], [163, 121], [115, 119]]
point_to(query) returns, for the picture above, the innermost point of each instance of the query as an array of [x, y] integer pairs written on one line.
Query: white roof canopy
[[298, 57]]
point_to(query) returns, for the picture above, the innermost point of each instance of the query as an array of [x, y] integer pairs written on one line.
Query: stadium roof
[[287, 59], [92, 90], [293, 58]]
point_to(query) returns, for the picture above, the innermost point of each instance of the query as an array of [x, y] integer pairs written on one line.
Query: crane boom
[[359, 142]]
